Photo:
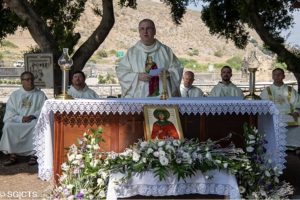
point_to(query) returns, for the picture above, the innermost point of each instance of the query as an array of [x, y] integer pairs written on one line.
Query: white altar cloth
[[146, 184], [269, 120]]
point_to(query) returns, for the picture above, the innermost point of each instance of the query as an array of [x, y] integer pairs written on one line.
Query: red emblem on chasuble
[[154, 81]]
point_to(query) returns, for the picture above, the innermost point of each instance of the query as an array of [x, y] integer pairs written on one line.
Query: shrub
[[102, 53], [108, 79], [6, 43], [235, 62], [219, 53], [193, 64]]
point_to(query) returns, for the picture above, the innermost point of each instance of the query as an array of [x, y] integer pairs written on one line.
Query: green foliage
[[112, 52], [235, 62], [229, 18], [193, 52], [280, 65], [108, 79], [85, 174], [6, 43], [219, 53], [193, 64], [61, 17], [102, 53]]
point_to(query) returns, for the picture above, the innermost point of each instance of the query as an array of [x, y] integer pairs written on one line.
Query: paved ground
[[21, 182]]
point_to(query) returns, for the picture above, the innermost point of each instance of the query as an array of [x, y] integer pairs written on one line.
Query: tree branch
[[87, 49]]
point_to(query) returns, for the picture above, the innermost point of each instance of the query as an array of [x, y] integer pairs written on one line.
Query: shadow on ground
[[20, 167]]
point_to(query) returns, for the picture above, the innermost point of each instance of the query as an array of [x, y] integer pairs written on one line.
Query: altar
[[62, 121]]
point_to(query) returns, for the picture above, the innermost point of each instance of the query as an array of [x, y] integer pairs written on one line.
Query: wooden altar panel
[[120, 131]]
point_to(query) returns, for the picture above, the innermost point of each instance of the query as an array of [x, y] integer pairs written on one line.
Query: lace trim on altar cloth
[[127, 190], [192, 106]]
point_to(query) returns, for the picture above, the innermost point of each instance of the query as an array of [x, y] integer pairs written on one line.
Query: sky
[[294, 37]]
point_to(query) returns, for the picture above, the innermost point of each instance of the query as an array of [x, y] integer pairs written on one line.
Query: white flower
[[135, 156], [144, 160], [70, 186], [75, 162], [208, 155], [249, 149], [102, 194], [161, 152], [185, 155], [63, 177], [178, 160], [65, 167], [156, 154], [70, 197], [100, 181], [93, 141], [161, 143], [144, 144], [71, 157], [225, 165], [267, 173], [96, 147], [163, 161], [218, 161], [251, 142], [89, 146], [94, 163], [176, 143], [251, 137], [113, 155], [150, 150], [78, 156]]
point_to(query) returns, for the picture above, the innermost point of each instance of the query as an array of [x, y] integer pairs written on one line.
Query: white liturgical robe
[[17, 137], [222, 90], [133, 63], [287, 101], [191, 92], [85, 93]]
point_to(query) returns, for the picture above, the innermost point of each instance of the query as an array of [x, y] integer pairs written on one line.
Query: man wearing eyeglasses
[[22, 110], [140, 72]]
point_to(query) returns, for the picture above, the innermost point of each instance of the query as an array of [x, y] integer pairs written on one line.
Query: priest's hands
[[28, 119], [144, 77]]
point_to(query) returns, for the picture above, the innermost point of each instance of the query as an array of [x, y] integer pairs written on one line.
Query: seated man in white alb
[[287, 100], [187, 89], [226, 88], [79, 89], [22, 110]]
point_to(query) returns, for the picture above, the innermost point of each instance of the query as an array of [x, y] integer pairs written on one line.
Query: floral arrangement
[[85, 174]]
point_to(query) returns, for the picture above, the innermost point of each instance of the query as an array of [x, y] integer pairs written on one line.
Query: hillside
[[191, 35]]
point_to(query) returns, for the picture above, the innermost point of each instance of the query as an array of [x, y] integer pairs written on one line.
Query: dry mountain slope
[[191, 34]]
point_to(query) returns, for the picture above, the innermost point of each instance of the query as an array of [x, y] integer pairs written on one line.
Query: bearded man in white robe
[[137, 78], [226, 88], [22, 111], [287, 101], [79, 89], [188, 89]]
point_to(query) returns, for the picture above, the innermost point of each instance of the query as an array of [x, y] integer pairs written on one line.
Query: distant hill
[[191, 35]]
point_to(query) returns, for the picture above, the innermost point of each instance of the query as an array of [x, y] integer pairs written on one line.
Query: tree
[[52, 27], [51, 24], [231, 18]]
